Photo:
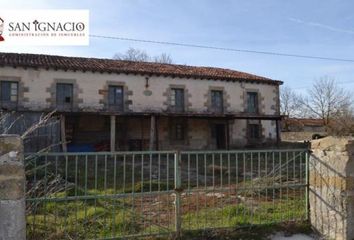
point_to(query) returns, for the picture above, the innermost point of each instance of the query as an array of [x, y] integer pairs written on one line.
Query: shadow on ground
[[264, 232]]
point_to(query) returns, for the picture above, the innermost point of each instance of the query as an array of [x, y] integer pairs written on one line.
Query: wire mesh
[[234, 188], [99, 196], [129, 194]]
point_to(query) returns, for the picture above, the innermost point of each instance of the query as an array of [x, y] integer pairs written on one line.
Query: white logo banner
[[44, 27]]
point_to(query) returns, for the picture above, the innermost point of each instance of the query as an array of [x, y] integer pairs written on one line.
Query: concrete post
[[278, 131], [63, 133], [12, 189], [178, 192], [113, 133], [331, 187], [152, 133]]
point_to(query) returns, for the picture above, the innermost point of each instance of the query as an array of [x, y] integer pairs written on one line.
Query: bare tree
[[342, 124], [133, 54], [289, 102], [138, 55], [163, 58], [326, 100]]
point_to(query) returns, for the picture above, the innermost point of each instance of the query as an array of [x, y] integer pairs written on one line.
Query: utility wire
[[223, 48]]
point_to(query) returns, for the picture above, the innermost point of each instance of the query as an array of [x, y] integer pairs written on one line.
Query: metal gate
[[129, 194]]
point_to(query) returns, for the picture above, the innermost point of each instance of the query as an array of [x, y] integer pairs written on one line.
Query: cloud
[[320, 25]]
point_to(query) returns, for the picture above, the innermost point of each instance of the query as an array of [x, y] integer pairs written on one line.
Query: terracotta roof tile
[[304, 121], [119, 66]]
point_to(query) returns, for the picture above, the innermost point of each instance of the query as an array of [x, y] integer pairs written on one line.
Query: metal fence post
[[177, 165], [307, 185]]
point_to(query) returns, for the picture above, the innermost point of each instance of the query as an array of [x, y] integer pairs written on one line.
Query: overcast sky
[[306, 27]]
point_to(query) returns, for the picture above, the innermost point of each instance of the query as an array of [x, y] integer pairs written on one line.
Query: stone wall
[[331, 189], [299, 136], [12, 184], [37, 85]]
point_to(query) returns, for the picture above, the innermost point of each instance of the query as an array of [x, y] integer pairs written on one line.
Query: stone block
[[12, 189], [12, 181], [331, 185], [10, 143], [12, 221]]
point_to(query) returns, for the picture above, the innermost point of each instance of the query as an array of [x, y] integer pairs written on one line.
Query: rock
[[215, 194]]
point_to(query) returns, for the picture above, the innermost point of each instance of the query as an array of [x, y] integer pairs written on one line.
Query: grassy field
[[153, 214]]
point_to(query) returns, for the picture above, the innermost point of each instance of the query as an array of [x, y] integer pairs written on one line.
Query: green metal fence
[[129, 194]]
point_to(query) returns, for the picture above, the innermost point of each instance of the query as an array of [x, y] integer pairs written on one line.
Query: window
[[178, 130], [64, 95], [252, 102], [177, 99], [217, 101], [254, 130], [116, 97], [9, 92]]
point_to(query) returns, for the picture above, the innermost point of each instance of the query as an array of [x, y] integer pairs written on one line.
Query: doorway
[[220, 136]]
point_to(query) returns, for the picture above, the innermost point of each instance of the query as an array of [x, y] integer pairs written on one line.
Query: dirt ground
[[284, 231]]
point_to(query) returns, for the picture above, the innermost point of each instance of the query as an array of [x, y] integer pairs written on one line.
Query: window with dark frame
[[178, 130], [254, 130], [217, 103], [64, 95], [116, 97], [177, 99], [252, 102], [9, 92]]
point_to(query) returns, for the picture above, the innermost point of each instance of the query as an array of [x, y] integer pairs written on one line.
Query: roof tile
[[120, 66]]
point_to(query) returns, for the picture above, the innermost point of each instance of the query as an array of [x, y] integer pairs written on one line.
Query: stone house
[[106, 104]]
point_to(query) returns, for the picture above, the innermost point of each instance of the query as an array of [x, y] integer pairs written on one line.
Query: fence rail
[[127, 194]]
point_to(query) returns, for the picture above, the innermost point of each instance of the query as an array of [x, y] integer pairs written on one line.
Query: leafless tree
[[138, 55], [133, 54], [289, 102], [326, 100], [342, 124], [163, 58]]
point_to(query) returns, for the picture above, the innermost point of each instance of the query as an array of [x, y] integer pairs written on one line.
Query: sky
[[304, 27]]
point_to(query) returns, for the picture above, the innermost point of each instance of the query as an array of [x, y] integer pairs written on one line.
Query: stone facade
[[36, 90], [299, 136], [147, 94], [331, 190]]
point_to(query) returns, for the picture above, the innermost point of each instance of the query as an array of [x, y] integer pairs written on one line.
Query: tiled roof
[[305, 121], [129, 67]]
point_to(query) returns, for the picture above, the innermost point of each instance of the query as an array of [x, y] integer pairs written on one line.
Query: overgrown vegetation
[[96, 196], [114, 217]]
